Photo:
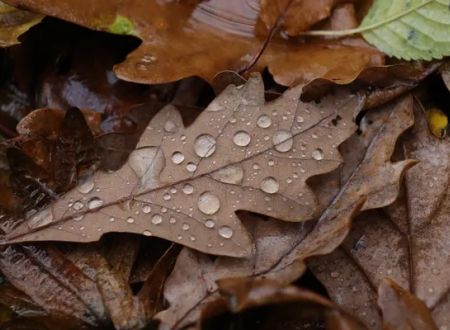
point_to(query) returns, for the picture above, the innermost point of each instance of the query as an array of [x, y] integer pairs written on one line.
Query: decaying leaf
[[14, 22], [220, 35], [185, 184], [369, 181], [402, 310], [408, 242], [264, 304]]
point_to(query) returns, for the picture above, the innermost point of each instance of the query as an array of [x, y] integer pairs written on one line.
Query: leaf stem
[[365, 28]]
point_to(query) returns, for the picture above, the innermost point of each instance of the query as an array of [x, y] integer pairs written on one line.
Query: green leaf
[[406, 29], [409, 29]]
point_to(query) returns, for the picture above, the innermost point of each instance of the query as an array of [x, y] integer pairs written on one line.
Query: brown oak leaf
[[185, 184], [370, 181], [209, 37], [407, 242]]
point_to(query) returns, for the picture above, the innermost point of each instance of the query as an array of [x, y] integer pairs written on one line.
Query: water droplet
[[170, 126], [173, 190], [270, 185], [334, 274], [130, 220], [241, 139], [172, 220], [185, 226], [256, 166], [225, 232], [210, 223], [112, 219], [177, 157], [86, 187], [435, 271], [42, 218], [188, 189], [157, 219], [94, 202], [208, 203], [271, 162], [149, 59], [78, 205], [232, 174], [147, 233], [167, 197], [191, 167], [205, 145], [283, 141], [317, 154], [264, 121], [146, 209], [300, 119]]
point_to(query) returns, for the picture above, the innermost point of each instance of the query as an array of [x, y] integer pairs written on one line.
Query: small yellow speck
[[437, 122]]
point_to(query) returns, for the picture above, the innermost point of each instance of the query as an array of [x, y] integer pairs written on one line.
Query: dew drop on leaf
[[188, 189], [146, 209], [225, 232], [283, 141], [147, 233], [270, 185], [185, 226], [264, 121], [232, 174], [208, 203], [78, 205], [205, 145], [130, 220], [210, 223], [86, 187], [317, 154], [177, 157], [300, 119], [156, 219], [241, 139], [94, 202], [191, 167]]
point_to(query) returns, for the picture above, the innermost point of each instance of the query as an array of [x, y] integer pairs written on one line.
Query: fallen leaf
[[220, 36], [410, 30], [14, 22], [295, 16], [407, 242], [402, 310], [185, 184], [267, 305], [281, 248], [381, 84]]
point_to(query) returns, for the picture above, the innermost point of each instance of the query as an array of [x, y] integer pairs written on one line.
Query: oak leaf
[[209, 37], [369, 181], [407, 242], [185, 184]]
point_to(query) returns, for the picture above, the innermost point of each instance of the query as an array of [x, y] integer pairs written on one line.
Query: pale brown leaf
[[407, 242], [185, 184], [370, 181]]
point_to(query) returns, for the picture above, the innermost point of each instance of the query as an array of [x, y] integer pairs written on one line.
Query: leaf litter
[[304, 197]]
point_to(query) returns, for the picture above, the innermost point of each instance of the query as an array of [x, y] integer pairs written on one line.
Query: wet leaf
[[220, 36], [14, 22], [185, 184], [407, 242], [402, 310], [410, 30], [281, 248], [267, 305]]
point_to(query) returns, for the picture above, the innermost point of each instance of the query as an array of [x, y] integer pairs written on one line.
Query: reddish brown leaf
[[220, 35]]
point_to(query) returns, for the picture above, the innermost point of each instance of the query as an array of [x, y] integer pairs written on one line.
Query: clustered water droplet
[[317, 154], [210, 223], [225, 232], [270, 185], [283, 141], [146, 209], [205, 145], [157, 219], [94, 202], [208, 203], [177, 157], [264, 121], [188, 189], [241, 139]]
